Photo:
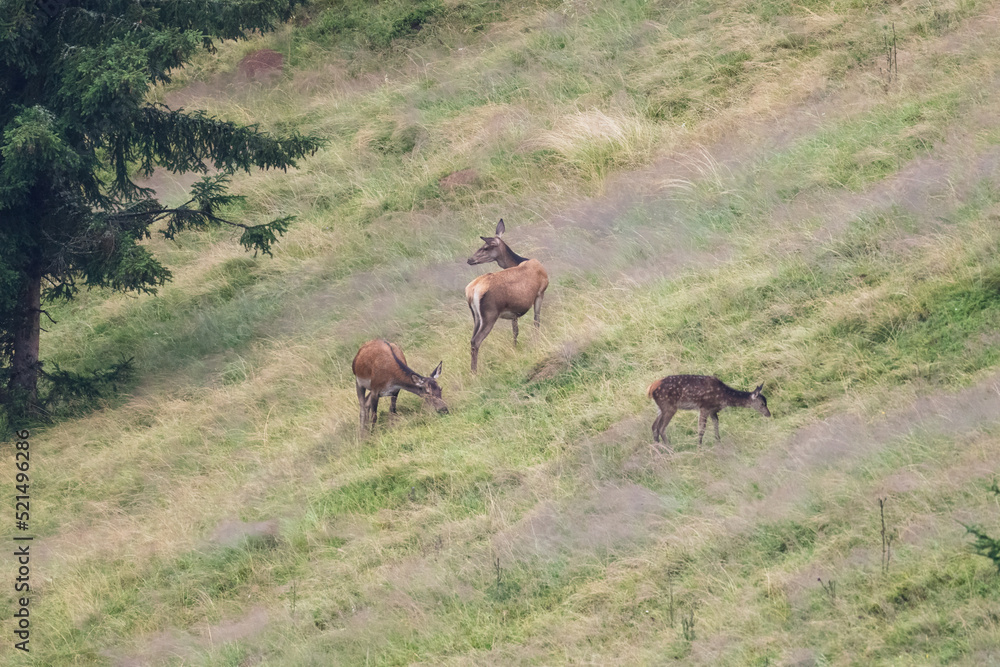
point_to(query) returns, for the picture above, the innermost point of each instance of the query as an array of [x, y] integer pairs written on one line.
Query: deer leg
[[373, 408], [702, 422], [361, 401], [667, 416], [715, 423], [538, 309], [392, 402], [656, 446], [486, 326], [514, 323], [660, 430], [476, 320]]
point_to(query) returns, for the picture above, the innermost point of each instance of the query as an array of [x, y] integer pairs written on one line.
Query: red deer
[[506, 294], [699, 392], [380, 368]]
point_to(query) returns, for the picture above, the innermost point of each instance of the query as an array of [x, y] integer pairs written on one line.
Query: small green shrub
[[65, 392], [985, 545], [374, 25]]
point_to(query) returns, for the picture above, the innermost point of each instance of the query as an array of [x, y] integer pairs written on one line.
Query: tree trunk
[[24, 365]]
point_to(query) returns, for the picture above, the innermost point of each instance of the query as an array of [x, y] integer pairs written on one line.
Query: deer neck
[[738, 398], [407, 384], [508, 258], [403, 379]]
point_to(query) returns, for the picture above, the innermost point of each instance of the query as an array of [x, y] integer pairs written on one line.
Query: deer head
[[429, 389], [758, 402], [493, 248]]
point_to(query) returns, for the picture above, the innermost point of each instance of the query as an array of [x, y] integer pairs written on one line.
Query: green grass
[[874, 147], [844, 254]]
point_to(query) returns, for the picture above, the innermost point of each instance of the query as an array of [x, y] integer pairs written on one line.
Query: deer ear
[[486, 238], [417, 380], [437, 371], [759, 387], [500, 228]]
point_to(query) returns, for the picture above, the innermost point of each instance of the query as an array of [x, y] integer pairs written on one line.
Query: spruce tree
[[77, 128]]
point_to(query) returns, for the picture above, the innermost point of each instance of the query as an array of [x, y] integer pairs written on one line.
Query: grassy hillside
[[737, 189]]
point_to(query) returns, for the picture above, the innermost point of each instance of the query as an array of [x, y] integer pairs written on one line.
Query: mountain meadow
[[800, 194]]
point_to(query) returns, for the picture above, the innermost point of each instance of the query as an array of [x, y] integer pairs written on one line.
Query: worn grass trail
[[768, 209]]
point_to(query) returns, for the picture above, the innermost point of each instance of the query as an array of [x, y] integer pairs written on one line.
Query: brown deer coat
[[380, 369], [506, 294], [704, 393]]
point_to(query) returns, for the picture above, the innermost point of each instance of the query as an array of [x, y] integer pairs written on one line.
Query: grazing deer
[[506, 294], [699, 392], [380, 367]]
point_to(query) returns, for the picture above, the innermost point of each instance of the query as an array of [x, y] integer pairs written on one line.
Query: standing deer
[[380, 367], [699, 392], [506, 294]]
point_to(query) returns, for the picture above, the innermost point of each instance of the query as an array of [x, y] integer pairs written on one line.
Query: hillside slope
[[737, 189]]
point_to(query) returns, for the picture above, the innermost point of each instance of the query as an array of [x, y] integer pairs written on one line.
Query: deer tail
[[650, 388], [474, 295]]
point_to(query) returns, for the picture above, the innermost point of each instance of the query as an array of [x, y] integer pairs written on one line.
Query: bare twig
[[687, 625], [887, 537], [830, 587], [891, 63], [670, 598]]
